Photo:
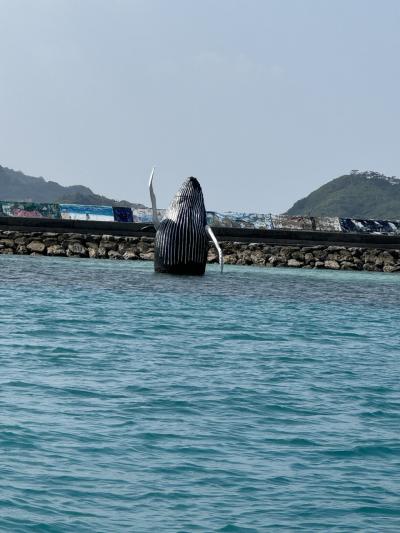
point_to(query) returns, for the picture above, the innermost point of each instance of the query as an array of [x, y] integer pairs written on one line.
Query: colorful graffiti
[[30, 209], [291, 223], [234, 219], [369, 226], [326, 224], [229, 219], [145, 214]]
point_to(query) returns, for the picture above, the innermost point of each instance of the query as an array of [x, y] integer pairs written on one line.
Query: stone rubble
[[235, 253]]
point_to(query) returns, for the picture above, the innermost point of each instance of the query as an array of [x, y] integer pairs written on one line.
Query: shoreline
[[130, 248]]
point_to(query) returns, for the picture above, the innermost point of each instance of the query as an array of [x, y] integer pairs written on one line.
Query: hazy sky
[[262, 100]]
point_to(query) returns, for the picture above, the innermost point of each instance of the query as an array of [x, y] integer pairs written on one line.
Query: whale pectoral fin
[[156, 222], [217, 246]]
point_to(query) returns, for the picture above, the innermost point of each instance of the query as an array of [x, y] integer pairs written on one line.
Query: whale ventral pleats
[[181, 244], [182, 237]]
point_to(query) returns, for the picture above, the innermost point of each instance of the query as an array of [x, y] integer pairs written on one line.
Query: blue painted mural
[[123, 214], [102, 213]]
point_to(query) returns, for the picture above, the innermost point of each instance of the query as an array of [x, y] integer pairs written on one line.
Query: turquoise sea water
[[259, 400]]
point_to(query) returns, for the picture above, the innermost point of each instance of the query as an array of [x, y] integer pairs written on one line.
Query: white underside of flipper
[[156, 222], [217, 246]]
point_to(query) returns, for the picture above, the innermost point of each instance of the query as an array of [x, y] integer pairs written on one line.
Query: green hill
[[15, 185], [356, 195]]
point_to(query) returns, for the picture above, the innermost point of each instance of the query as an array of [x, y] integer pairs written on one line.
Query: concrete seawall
[[383, 258], [248, 235]]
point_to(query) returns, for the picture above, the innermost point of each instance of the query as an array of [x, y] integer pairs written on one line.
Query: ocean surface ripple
[[257, 400]]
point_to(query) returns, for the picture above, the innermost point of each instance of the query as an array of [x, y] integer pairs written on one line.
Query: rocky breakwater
[[328, 257], [236, 253], [76, 245]]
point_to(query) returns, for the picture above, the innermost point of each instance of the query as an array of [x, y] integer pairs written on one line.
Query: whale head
[[188, 202]]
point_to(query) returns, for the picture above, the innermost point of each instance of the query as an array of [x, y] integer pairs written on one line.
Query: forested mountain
[[356, 195], [14, 185]]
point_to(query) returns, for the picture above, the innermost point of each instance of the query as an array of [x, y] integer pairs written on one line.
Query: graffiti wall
[[228, 219], [31, 210], [369, 226], [326, 223], [87, 212], [123, 214], [291, 223], [233, 219], [146, 215]]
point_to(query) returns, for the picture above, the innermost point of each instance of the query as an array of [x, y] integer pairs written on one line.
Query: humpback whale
[[182, 236]]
